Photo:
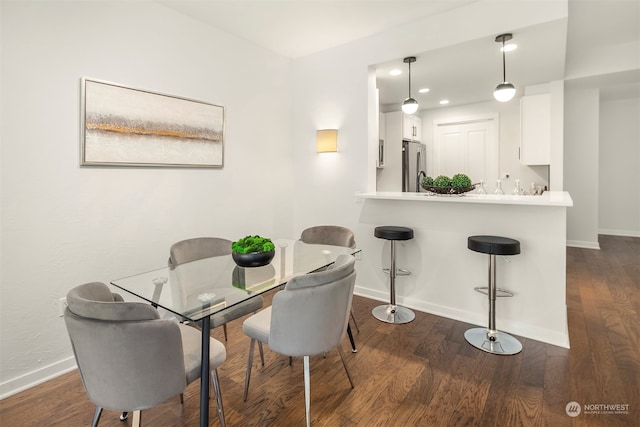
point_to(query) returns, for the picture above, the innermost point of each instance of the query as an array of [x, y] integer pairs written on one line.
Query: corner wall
[[619, 149], [581, 169], [334, 86], [63, 225]]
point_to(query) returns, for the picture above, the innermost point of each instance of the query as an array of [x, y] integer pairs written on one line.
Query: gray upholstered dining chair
[[189, 250], [308, 317], [337, 236], [128, 358]]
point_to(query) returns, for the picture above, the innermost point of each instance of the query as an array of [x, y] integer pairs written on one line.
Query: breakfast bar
[[444, 272]]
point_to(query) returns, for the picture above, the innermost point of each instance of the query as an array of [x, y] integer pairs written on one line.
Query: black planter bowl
[[448, 190], [254, 259]]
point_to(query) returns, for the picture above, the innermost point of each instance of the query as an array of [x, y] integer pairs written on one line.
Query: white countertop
[[548, 198]]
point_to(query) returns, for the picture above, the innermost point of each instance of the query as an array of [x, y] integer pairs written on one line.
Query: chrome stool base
[[504, 343], [393, 314]]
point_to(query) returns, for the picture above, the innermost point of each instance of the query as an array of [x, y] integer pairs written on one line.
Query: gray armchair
[[308, 317], [337, 236], [197, 248], [128, 358]]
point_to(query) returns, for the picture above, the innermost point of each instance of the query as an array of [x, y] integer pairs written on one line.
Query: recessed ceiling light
[[424, 90], [444, 102], [509, 47], [395, 72]]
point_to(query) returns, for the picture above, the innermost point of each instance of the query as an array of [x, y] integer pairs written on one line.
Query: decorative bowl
[[448, 190], [253, 259]]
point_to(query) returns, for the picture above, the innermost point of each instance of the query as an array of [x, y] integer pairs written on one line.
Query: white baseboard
[[34, 378], [583, 244], [623, 233], [480, 319]]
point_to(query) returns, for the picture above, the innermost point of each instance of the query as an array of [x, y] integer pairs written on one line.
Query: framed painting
[[123, 126]]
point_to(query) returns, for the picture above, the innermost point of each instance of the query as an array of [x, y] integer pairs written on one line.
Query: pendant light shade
[[410, 105], [504, 91]]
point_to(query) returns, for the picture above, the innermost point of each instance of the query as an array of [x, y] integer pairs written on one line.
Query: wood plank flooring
[[420, 374]]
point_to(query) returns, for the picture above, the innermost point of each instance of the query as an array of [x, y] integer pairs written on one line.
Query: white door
[[469, 147]]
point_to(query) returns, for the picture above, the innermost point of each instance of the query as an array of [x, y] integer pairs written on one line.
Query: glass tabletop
[[198, 289]]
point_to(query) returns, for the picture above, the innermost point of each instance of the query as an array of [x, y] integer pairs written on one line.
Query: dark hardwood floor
[[422, 373]]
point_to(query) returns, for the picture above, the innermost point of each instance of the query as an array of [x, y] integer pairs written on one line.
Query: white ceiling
[[463, 73], [295, 28]]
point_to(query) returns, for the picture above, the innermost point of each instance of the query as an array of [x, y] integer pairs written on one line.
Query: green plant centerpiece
[[442, 184], [253, 251]]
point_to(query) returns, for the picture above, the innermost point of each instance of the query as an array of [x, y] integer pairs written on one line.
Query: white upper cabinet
[[535, 129], [411, 128]]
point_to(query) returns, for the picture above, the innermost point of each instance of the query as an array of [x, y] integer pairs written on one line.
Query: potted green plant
[[253, 251], [458, 184]]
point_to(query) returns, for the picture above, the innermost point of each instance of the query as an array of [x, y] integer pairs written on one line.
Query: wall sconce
[[327, 141]]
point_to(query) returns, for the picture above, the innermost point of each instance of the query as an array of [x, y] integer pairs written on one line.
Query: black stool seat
[[493, 245], [392, 232]]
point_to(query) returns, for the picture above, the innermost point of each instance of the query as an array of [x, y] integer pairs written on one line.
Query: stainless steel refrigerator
[[414, 165]]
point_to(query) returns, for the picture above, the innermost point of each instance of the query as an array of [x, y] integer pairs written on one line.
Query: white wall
[[619, 178], [63, 225], [581, 123], [335, 86], [508, 137]]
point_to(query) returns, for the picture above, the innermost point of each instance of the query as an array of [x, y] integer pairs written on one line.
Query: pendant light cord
[[409, 79], [504, 65]]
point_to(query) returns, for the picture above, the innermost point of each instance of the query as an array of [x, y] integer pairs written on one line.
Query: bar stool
[[490, 339], [392, 313]]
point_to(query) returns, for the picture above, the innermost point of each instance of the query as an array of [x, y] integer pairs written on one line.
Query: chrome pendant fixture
[[504, 91], [410, 105]]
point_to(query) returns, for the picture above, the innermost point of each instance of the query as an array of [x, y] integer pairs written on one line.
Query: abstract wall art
[[122, 126]]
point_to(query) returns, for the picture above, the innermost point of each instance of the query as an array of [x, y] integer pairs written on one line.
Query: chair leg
[[351, 340], [261, 352], [136, 419], [218, 394], [307, 390], [355, 323], [96, 416], [224, 328], [249, 363], [344, 363]]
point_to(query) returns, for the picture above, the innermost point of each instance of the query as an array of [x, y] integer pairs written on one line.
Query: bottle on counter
[[481, 188], [517, 190], [499, 188]]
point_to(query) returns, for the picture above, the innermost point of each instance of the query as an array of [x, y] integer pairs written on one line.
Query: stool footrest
[[500, 293], [399, 271]]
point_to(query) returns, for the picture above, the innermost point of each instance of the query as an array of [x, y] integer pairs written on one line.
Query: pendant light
[[410, 105], [504, 91]]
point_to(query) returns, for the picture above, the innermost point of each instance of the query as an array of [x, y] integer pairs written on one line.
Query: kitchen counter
[[444, 271], [548, 198]]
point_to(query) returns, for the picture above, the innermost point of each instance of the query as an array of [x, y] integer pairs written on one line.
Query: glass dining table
[[195, 290]]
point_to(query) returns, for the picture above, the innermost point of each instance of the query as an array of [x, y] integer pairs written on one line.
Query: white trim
[[480, 319], [583, 244], [616, 232], [34, 378], [477, 118]]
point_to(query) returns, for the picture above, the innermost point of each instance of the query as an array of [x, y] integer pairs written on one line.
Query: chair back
[[329, 235], [310, 315], [197, 248], [128, 358]]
